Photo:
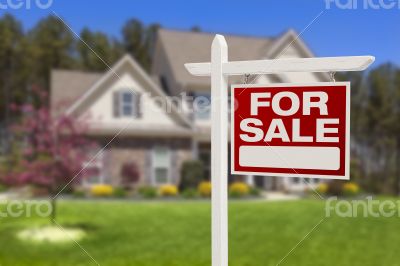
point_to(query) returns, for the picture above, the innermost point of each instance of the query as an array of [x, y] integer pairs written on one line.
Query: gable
[[101, 108], [97, 103], [290, 45]]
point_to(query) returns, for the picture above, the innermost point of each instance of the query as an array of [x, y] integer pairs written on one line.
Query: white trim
[[346, 175]]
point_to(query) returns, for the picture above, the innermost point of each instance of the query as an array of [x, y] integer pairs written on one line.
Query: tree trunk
[[53, 209], [397, 162]]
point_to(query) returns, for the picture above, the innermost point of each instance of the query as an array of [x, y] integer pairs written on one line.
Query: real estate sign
[[299, 130]]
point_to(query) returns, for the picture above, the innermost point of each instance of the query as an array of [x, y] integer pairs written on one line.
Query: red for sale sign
[[299, 130]]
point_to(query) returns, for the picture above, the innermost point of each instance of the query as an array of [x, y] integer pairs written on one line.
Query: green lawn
[[178, 233]]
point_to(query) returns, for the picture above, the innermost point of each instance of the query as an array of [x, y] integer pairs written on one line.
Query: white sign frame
[[219, 69], [277, 85]]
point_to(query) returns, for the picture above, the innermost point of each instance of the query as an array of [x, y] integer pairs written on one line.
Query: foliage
[[148, 192], [3, 188], [119, 192], [322, 188], [375, 129], [335, 187], [78, 193], [48, 150], [191, 174], [204, 189], [53, 148], [13, 71], [101, 190], [138, 40], [189, 193], [129, 173], [52, 44], [168, 190], [110, 50], [350, 189], [256, 192], [239, 189]]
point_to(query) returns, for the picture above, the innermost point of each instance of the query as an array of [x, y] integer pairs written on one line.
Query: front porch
[[202, 151]]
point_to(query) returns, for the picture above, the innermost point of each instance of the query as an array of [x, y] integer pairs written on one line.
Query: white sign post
[[219, 69]]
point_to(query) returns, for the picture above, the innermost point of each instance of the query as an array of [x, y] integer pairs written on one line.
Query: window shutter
[[138, 105], [116, 104]]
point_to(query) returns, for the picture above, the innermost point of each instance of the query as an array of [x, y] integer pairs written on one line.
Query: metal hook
[[246, 78], [332, 76]]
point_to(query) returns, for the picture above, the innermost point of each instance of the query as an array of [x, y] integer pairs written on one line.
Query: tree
[[11, 69], [192, 173], [51, 150], [52, 45], [129, 173], [381, 123], [138, 40], [101, 51]]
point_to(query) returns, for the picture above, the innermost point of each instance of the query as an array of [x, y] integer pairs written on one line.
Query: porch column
[[195, 149], [250, 180]]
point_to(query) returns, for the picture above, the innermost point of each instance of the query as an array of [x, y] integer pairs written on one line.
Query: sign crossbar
[[273, 66]]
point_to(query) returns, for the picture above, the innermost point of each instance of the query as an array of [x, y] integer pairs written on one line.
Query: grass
[[178, 233]]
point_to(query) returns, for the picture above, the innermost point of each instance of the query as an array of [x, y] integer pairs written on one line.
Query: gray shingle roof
[[67, 86], [189, 47]]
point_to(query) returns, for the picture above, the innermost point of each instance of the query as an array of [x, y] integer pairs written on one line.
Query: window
[[161, 164], [126, 103], [93, 171], [202, 106], [296, 180], [205, 157]]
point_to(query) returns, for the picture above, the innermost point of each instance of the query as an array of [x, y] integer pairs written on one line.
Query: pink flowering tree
[[51, 150]]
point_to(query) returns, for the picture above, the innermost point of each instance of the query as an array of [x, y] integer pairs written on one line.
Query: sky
[[328, 29]]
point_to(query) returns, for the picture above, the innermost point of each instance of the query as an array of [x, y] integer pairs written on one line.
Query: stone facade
[[139, 150]]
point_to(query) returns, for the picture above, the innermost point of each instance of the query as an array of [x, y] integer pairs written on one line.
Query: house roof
[[186, 47], [67, 86]]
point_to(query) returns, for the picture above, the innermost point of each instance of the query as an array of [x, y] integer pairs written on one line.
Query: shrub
[[335, 187], [191, 174], [3, 188], [204, 189], [101, 190], [239, 189], [189, 193], [168, 191], [350, 189], [78, 193], [148, 192], [119, 192], [255, 191], [129, 173], [322, 188]]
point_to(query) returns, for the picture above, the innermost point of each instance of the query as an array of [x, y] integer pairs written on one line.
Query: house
[[154, 119]]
